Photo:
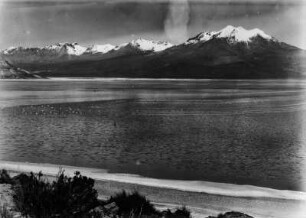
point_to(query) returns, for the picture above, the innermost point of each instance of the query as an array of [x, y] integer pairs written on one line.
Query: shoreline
[[106, 79], [213, 188], [203, 199]]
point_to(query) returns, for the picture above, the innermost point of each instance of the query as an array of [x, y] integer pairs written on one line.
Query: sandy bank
[[203, 198]]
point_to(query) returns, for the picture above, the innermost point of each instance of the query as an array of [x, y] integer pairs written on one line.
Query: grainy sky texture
[[37, 23]]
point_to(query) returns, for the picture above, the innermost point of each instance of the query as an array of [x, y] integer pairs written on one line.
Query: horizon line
[[289, 2]]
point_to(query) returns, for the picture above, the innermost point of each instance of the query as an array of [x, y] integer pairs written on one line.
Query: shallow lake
[[233, 131]]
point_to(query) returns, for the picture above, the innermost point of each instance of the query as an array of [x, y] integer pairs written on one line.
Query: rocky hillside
[[8, 71]]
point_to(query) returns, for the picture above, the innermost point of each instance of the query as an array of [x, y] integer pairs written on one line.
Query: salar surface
[[233, 131]]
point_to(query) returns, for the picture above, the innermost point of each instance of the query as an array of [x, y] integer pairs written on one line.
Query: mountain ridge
[[239, 51]]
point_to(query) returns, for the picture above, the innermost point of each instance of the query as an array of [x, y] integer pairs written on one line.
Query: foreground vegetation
[[75, 197]]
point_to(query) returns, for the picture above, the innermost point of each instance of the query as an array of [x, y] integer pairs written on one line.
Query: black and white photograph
[[152, 109]]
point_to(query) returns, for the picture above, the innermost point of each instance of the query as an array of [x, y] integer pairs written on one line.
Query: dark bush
[[77, 194], [65, 197], [233, 214], [5, 212], [76, 198], [182, 212], [5, 177], [133, 205]]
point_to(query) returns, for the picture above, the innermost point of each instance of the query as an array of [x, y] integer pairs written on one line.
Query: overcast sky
[[37, 23]]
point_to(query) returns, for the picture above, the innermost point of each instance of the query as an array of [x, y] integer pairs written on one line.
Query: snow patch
[[149, 45], [9, 50], [242, 35], [75, 49], [100, 48]]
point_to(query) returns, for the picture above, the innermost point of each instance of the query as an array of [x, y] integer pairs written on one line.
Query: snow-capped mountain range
[[232, 52], [74, 50]]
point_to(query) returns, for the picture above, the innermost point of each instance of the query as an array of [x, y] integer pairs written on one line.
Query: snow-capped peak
[[149, 45], [74, 49], [242, 35], [233, 34], [100, 48]]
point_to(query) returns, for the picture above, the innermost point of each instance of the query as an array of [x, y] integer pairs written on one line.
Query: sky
[[38, 23]]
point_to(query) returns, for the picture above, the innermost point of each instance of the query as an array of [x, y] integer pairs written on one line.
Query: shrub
[[233, 214], [5, 177], [65, 197], [182, 212], [77, 194], [5, 212], [76, 197], [133, 205]]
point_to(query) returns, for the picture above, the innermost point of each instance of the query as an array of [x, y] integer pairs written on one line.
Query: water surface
[[233, 131]]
